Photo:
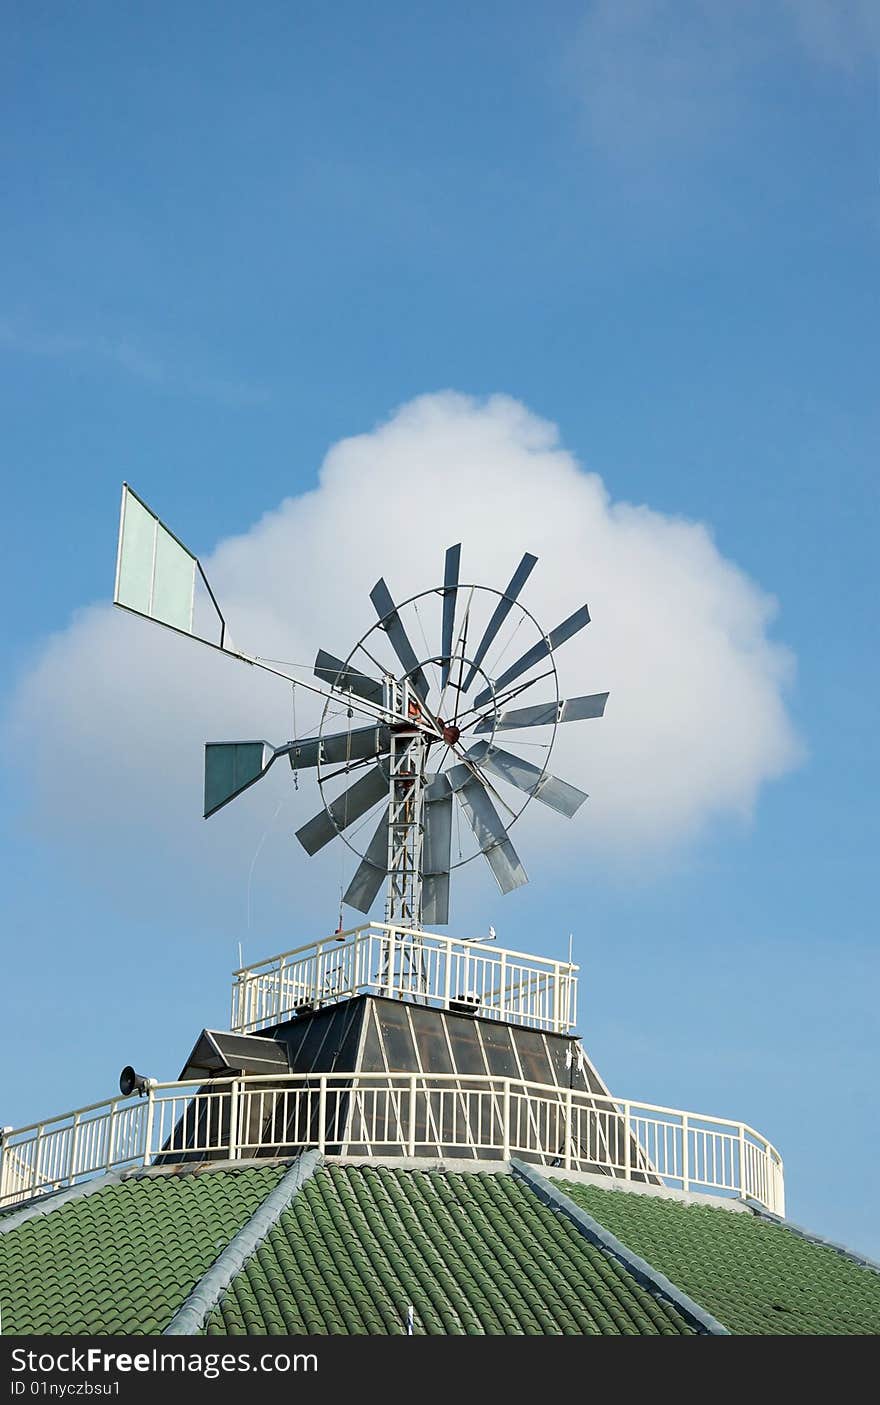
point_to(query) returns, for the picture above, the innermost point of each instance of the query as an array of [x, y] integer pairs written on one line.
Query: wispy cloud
[[841, 34], [127, 356], [672, 78]]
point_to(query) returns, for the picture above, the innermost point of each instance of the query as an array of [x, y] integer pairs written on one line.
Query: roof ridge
[[190, 1317], [644, 1273]]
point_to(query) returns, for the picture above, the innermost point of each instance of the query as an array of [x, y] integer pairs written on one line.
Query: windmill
[[429, 739]]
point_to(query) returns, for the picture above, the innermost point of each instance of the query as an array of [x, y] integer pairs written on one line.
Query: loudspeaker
[[131, 1082]]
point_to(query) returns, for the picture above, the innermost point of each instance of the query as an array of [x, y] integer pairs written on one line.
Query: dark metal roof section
[[373, 1035], [217, 1053]]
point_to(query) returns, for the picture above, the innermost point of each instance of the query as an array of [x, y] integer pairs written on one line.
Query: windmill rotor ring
[[450, 752]]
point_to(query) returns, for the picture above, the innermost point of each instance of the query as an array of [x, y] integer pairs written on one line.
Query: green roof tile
[[475, 1254], [121, 1260], [757, 1278]]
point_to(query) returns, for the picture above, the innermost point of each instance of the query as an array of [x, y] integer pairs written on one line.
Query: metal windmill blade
[[372, 870], [450, 596], [437, 852], [545, 714], [502, 610], [360, 798], [346, 678], [390, 621], [489, 829], [559, 795], [539, 651]]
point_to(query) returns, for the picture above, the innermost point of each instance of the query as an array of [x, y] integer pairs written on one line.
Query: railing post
[[557, 1000], [233, 1119], [411, 1138], [627, 1143], [505, 1114], [374, 963], [279, 989], [74, 1147], [569, 1096], [390, 962], [5, 1164], [148, 1129], [778, 1184], [502, 1008], [685, 1154], [742, 1160], [111, 1133], [38, 1149], [346, 968], [322, 1112], [447, 975], [361, 960]]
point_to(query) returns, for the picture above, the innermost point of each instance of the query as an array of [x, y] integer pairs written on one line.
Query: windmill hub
[[451, 733]]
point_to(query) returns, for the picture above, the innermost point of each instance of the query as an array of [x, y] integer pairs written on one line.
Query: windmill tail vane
[[421, 751]]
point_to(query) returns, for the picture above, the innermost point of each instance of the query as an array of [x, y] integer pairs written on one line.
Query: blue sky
[[233, 239]]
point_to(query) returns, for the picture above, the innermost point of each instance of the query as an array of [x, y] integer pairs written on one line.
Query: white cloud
[[112, 715]]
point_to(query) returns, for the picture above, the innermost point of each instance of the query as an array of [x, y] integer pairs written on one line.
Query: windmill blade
[[393, 626], [344, 810], [345, 678], [437, 851], [450, 595], [502, 610], [231, 768], [488, 828], [558, 636], [559, 795], [545, 714], [337, 749], [370, 873]]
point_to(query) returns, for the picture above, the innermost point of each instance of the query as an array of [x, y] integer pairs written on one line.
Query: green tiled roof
[[121, 1260], [474, 1254], [756, 1277]]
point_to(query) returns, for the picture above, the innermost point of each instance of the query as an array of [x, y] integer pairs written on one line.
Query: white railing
[[378, 959], [381, 1114]]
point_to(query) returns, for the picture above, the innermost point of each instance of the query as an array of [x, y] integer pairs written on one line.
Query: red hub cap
[[451, 733]]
